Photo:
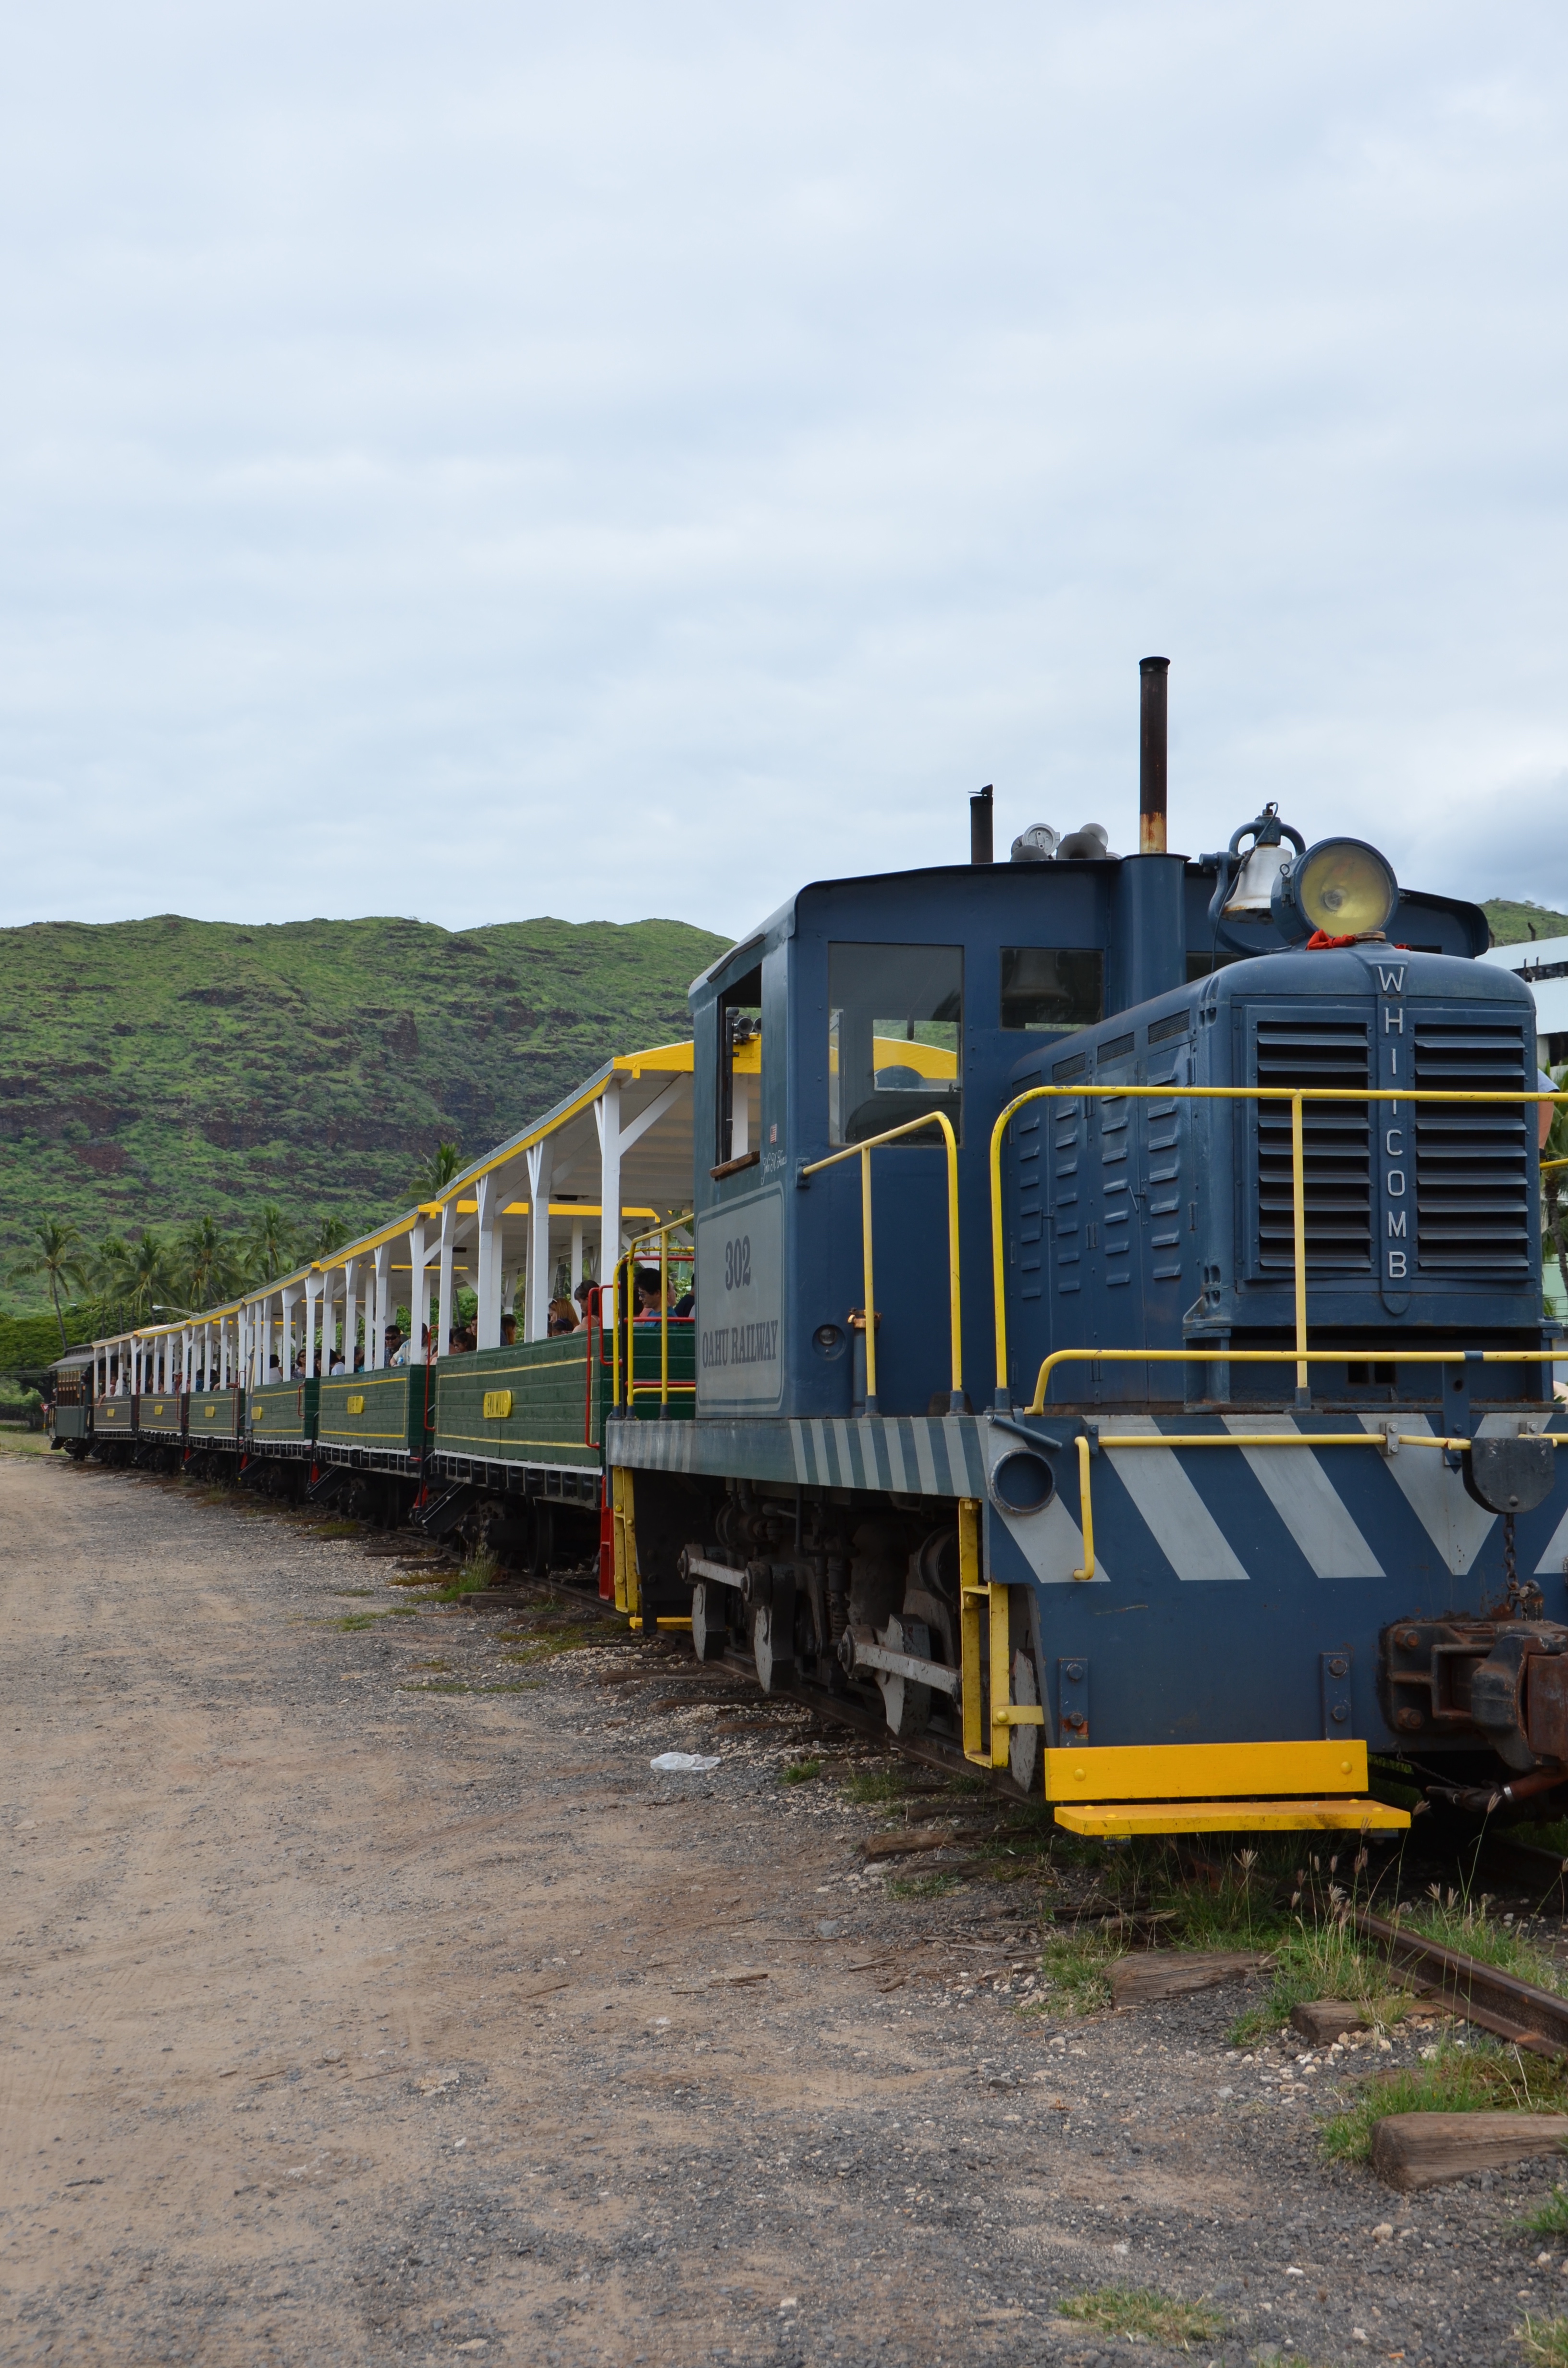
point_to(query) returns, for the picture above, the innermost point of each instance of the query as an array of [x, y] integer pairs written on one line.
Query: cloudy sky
[[487, 461]]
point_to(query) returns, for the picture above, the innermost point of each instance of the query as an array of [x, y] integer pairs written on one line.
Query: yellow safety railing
[[1297, 1096], [862, 1151], [625, 1297]]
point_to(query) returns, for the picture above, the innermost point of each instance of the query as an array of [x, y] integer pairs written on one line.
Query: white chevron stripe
[[1183, 1528], [1456, 1524], [1052, 1545], [1307, 1502]]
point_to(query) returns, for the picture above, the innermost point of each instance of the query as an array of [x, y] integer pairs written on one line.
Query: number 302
[[737, 1263]]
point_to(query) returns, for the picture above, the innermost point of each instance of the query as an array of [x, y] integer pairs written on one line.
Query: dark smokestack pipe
[[1151, 757], [980, 813]]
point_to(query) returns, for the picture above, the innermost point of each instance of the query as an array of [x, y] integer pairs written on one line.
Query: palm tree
[[209, 1264], [268, 1244], [330, 1234], [110, 1263], [62, 1258], [436, 1171], [148, 1278]]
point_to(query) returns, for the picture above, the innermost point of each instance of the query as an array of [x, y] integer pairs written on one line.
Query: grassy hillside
[[1513, 923], [156, 1071]]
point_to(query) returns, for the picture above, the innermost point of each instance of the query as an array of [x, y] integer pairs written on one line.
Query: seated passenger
[[508, 1331], [649, 1298], [685, 1305], [397, 1347], [561, 1319]]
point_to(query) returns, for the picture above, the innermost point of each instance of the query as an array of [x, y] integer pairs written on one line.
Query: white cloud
[[486, 461]]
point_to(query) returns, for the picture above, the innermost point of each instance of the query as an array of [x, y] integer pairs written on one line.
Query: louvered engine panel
[[1337, 1146], [1472, 1182]]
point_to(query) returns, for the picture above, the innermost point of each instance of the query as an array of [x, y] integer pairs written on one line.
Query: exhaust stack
[[1154, 674], [980, 819]]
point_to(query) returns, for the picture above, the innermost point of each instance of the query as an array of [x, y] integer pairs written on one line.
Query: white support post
[[444, 1308], [541, 1165], [509, 1279], [292, 1298], [384, 1290], [606, 1111], [488, 1286], [328, 1319], [418, 1297], [576, 1257]]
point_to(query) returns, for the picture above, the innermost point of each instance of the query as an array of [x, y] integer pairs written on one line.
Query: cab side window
[[739, 1099], [895, 1037], [1052, 987]]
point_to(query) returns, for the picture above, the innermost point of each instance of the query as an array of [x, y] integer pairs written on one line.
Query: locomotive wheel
[[775, 1662], [710, 1627], [905, 1705], [1023, 1751]]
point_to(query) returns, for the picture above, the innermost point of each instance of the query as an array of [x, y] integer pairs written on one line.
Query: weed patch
[[800, 1771], [351, 1619], [1139, 2310], [404, 1611], [867, 1785], [1544, 2339], [353, 1591], [1076, 1970], [1469, 1926], [1321, 1961], [921, 1886], [329, 1529], [1551, 2218], [1453, 2079], [558, 1640]]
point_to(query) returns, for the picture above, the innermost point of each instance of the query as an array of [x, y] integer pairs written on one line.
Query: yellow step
[[1344, 1813]]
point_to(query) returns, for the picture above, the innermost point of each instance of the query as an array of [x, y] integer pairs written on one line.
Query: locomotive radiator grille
[[1472, 1196], [1338, 1145]]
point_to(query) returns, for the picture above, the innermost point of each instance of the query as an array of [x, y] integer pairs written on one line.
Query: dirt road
[[368, 1998]]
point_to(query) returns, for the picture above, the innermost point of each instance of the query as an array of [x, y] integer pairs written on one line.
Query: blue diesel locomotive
[[1117, 1348]]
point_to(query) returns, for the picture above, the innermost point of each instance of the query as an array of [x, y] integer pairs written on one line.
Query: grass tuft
[[1475, 2077], [1321, 1961], [437, 1686], [800, 1771], [1551, 2218], [321, 1529], [1076, 1970], [1543, 2338], [867, 1785], [1469, 1926], [1140, 2311], [558, 1640], [921, 1886]]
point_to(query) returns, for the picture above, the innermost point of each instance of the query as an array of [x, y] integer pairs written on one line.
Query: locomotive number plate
[[355, 1405], [497, 1405]]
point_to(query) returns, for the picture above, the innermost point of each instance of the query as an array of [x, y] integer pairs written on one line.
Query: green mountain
[[156, 1071], [1513, 924]]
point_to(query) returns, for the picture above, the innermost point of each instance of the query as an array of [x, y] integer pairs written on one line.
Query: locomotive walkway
[[367, 1998]]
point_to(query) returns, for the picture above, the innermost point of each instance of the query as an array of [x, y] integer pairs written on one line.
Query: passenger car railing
[[862, 1151], [626, 1298]]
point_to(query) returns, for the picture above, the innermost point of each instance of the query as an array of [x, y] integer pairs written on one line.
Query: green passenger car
[[542, 1405], [216, 1417], [161, 1415], [115, 1418], [282, 1416], [377, 1417]]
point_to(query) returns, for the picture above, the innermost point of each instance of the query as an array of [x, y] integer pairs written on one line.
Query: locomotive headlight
[[1341, 887]]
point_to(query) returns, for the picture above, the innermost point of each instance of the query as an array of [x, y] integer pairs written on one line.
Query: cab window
[[739, 1070], [895, 1024], [1052, 987]]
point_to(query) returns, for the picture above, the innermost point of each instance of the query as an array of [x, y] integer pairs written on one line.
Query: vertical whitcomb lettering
[[1391, 981]]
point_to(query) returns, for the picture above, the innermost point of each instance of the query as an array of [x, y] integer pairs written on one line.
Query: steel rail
[[1498, 2002]]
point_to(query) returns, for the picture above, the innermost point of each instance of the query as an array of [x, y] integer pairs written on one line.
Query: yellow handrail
[[1297, 1096], [1085, 1510], [1198, 1355], [862, 1151], [625, 1297]]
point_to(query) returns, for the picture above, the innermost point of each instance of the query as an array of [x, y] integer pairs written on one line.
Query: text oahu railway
[[1118, 1347]]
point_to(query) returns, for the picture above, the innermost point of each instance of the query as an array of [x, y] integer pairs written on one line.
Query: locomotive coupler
[[1499, 1682]]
